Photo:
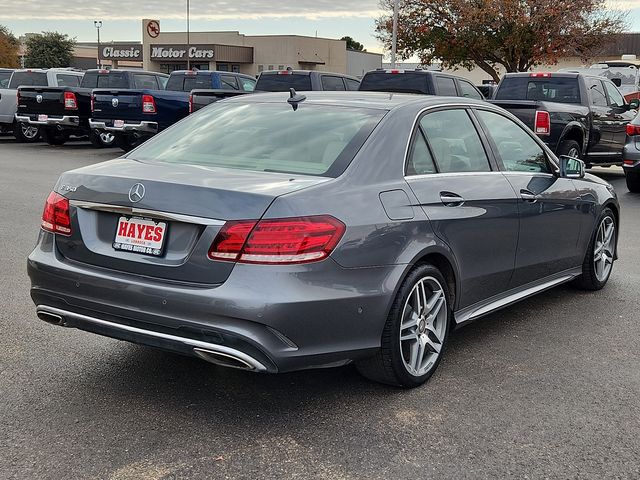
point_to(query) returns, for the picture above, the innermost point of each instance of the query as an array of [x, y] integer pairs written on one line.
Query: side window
[[615, 97], [352, 85], [145, 81], [517, 149], [454, 142], [162, 81], [420, 161], [68, 80], [469, 91], [331, 83], [248, 84], [596, 92], [445, 86], [228, 82]]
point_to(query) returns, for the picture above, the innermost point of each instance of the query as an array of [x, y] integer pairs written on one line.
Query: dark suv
[[304, 80]]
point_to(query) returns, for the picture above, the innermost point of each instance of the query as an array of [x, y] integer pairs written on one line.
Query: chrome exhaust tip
[[223, 359], [51, 318]]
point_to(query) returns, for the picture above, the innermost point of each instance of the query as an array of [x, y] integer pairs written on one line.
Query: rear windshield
[[105, 80], [283, 82], [28, 79], [186, 83], [4, 79], [395, 82], [558, 89], [313, 140]]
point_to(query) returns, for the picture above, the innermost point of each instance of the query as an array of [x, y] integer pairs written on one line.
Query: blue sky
[[121, 21]]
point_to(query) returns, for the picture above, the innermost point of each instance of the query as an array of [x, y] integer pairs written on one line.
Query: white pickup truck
[[53, 77]]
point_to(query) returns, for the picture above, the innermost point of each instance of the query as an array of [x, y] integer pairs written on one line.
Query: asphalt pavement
[[549, 388]]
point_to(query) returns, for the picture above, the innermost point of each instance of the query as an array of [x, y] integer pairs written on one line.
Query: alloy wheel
[[29, 131], [107, 138], [603, 248], [573, 152], [423, 326]]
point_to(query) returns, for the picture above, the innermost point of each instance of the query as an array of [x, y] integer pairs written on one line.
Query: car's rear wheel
[[26, 133], [570, 148], [127, 142], [598, 263], [633, 181], [102, 139], [416, 331]]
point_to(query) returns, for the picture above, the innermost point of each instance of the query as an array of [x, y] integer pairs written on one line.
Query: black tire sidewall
[[590, 280], [565, 147], [633, 181]]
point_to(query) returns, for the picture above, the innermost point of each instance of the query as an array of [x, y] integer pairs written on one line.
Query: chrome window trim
[[451, 174], [176, 217]]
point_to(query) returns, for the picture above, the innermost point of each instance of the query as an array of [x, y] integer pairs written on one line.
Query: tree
[[9, 47], [353, 45], [493, 34], [49, 50]]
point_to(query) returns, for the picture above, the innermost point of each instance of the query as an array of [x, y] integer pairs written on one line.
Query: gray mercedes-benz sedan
[[276, 232]]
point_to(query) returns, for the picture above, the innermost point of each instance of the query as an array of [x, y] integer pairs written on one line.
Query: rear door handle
[[528, 196], [451, 199]]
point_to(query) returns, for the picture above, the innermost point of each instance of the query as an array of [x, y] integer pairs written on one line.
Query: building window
[[280, 67], [172, 67], [260, 68], [222, 67], [270, 67], [235, 68]]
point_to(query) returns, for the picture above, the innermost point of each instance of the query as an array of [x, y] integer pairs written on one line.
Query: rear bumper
[[63, 121], [263, 318], [140, 127]]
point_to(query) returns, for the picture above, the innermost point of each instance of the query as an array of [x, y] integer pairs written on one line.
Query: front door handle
[[528, 196], [451, 199]]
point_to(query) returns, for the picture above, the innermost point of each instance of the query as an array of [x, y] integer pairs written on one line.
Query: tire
[[633, 181], [126, 142], [391, 364], [102, 139], [570, 148], [54, 137], [26, 133], [594, 277]]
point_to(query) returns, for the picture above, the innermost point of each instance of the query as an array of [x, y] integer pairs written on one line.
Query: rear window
[[186, 83], [4, 79], [558, 89], [105, 80], [65, 80], [395, 82], [28, 79], [313, 140], [282, 83]]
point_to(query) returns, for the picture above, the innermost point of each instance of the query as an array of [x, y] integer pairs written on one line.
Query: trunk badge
[[39, 98], [136, 193], [114, 102]]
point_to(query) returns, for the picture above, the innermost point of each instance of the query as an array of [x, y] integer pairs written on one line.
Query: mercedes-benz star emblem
[[114, 102], [136, 193], [39, 98]]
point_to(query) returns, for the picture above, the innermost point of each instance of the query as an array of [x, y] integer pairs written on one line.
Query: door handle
[[451, 199], [528, 196]]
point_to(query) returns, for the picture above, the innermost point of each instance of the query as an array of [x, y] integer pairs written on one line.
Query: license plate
[[118, 123], [140, 235], [43, 118]]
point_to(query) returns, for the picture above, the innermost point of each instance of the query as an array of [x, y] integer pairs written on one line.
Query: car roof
[[306, 72], [356, 99]]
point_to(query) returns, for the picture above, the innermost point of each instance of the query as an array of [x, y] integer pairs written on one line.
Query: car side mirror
[[571, 167], [634, 104]]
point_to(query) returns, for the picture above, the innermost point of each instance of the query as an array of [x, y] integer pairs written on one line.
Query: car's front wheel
[[598, 263], [416, 331], [633, 181]]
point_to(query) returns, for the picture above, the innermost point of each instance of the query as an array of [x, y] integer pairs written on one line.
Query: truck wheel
[[633, 181], [26, 133], [569, 148], [126, 142], [101, 139], [54, 137]]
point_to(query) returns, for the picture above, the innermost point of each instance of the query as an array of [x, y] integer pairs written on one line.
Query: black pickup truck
[[65, 111], [578, 115]]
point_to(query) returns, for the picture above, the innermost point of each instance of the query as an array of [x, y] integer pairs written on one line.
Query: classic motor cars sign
[[180, 52], [121, 52]]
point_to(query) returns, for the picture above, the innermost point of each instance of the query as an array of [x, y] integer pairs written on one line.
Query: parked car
[[425, 82], [5, 76], [583, 116], [304, 80], [10, 98], [364, 231], [65, 110], [631, 156], [135, 115]]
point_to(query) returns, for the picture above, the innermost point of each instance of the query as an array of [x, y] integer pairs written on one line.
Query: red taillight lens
[[278, 241], [148, 104], [633, 130], [629, 162], [70, 101], [190, 103], [543, 123], [285, 72], [93, 101], [540, 75], [55, 217]]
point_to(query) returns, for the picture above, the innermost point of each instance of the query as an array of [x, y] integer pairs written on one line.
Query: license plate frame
[[43, 118], [118, 123], [140, 244]]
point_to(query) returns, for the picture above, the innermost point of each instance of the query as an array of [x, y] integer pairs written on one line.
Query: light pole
[[188, 40], [98, 25], [394, 37]]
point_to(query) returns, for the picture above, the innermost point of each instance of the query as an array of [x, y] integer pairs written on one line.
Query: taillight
[[278, 241], [540, 75], [190, 103], [543, 123], [148, 104], [70, 102], [629, 162], [633, 130], [93, 101], [55, 217], [285, 72]]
